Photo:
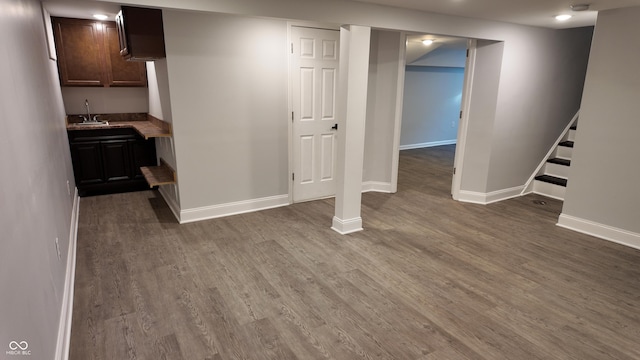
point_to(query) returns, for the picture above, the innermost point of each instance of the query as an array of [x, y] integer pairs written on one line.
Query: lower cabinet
[[108, 161]]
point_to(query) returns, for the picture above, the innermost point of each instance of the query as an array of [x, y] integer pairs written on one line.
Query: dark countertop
[[147, 126]]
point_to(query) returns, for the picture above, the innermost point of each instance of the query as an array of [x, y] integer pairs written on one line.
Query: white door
[[314, 83]]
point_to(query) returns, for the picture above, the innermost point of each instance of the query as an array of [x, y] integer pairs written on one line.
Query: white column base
[[345, 227]]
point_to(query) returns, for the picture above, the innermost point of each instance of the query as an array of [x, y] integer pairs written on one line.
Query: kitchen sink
[[89, 123]]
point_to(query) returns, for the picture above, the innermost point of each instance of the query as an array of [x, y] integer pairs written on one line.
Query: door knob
[[335, 127]]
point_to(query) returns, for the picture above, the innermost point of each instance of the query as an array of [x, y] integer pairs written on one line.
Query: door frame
[[288, 49], [463, 123]]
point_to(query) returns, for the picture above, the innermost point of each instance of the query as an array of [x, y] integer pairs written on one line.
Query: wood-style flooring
[[429, 278]]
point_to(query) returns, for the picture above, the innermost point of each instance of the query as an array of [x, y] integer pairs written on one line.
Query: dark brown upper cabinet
[[141, 33], [89, 55]]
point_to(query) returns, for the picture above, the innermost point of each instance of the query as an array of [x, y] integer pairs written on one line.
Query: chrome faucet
[[88, 119], [86, 104]]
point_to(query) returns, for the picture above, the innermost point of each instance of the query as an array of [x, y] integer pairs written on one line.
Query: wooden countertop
[[149, 128]]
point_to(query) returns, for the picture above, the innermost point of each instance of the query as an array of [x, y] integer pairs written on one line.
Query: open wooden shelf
[[159, 175]]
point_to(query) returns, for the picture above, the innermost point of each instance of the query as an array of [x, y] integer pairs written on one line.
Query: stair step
[[567, 143], [550, 190], [552, 180], [560, 161]]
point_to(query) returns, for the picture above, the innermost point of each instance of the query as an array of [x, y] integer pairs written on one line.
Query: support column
[[352, 108]]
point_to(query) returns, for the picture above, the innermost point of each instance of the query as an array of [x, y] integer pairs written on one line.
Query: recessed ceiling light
[[100, 16], [563, 17], [580, 7], [427, 42]]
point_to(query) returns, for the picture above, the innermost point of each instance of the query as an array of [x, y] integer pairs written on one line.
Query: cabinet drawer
[[102, 134]]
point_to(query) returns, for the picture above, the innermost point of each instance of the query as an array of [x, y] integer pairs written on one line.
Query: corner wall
[[602, 195], [228, 81], [381, 109], [36, 165]]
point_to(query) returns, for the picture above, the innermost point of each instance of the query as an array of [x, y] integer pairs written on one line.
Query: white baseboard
[[427, 144], [170, 200], [376, 186], [64, 326], [240, 207], [602, 231], [492, 197], [348, 226]]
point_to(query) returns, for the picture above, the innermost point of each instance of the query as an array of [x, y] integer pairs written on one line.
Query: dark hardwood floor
[[429, 278]]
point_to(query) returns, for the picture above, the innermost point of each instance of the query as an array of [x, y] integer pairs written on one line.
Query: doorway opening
[[437, 71]]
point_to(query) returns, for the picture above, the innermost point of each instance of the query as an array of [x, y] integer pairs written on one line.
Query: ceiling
[[417, 50], [526, 12], [81, 9]]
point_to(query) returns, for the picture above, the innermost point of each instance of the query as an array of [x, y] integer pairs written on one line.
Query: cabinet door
[[143, 153], [115, 157], [87, 163], [79, 49], [119, 71]]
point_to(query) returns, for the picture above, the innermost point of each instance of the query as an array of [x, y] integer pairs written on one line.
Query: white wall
[[381, 105], [432, 96], [604, 175], [105, 100], [36, 164], [228, 85]]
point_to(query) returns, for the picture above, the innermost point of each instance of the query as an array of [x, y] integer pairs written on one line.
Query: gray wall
[[483, 104], [604, 177], [229, 106], [381, 105], [105, 100], [229, 100], [541, 82], [431, 109], [35, 162], [445, 55]]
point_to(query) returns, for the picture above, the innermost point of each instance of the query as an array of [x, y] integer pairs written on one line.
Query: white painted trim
[[348, 226], [171, 202], [528, 186], [463, 125], [397, 125], [234, 208], [606, 232], [376, 186], [428, 144], [66, 313], [490, 198], [289, 109], [504, 194], [472, 197]]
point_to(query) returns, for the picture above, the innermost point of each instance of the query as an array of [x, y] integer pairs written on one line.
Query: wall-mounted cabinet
[[89, 55], [141, 33]]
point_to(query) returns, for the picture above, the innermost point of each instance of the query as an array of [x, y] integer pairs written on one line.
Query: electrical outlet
[[58, 249], [453, 123], [68, 188]]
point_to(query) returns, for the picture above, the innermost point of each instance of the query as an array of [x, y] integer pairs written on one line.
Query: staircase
[[551, 179]]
